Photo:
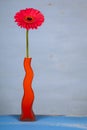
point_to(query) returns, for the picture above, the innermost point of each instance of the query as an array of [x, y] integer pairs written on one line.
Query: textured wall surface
[[59, 57]]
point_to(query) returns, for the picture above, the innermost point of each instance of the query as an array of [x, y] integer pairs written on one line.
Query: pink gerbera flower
[[29, 18]]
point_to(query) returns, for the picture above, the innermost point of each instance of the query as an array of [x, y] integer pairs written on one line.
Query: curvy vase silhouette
[[28, 97]]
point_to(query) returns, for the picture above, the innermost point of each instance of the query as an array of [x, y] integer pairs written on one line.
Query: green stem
[[27, 44]]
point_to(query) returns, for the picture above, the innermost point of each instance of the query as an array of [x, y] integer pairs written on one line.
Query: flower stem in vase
[[27, 44]]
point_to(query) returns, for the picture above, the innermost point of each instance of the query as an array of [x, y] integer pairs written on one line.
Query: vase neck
[[27, 60]]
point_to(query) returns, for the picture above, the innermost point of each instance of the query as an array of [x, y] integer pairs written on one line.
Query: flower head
[[29, 18]]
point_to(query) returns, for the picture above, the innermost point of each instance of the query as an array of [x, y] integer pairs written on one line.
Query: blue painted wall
[[59, 57]]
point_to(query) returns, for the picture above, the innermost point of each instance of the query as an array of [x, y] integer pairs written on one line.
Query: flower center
[[29, 19]]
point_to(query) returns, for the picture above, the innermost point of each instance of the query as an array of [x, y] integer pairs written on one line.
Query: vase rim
[[27, 57]]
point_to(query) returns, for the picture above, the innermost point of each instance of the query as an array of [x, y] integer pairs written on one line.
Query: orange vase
[[28, 97]]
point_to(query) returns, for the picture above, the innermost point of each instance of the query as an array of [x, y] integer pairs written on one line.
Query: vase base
[[23, 118]]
